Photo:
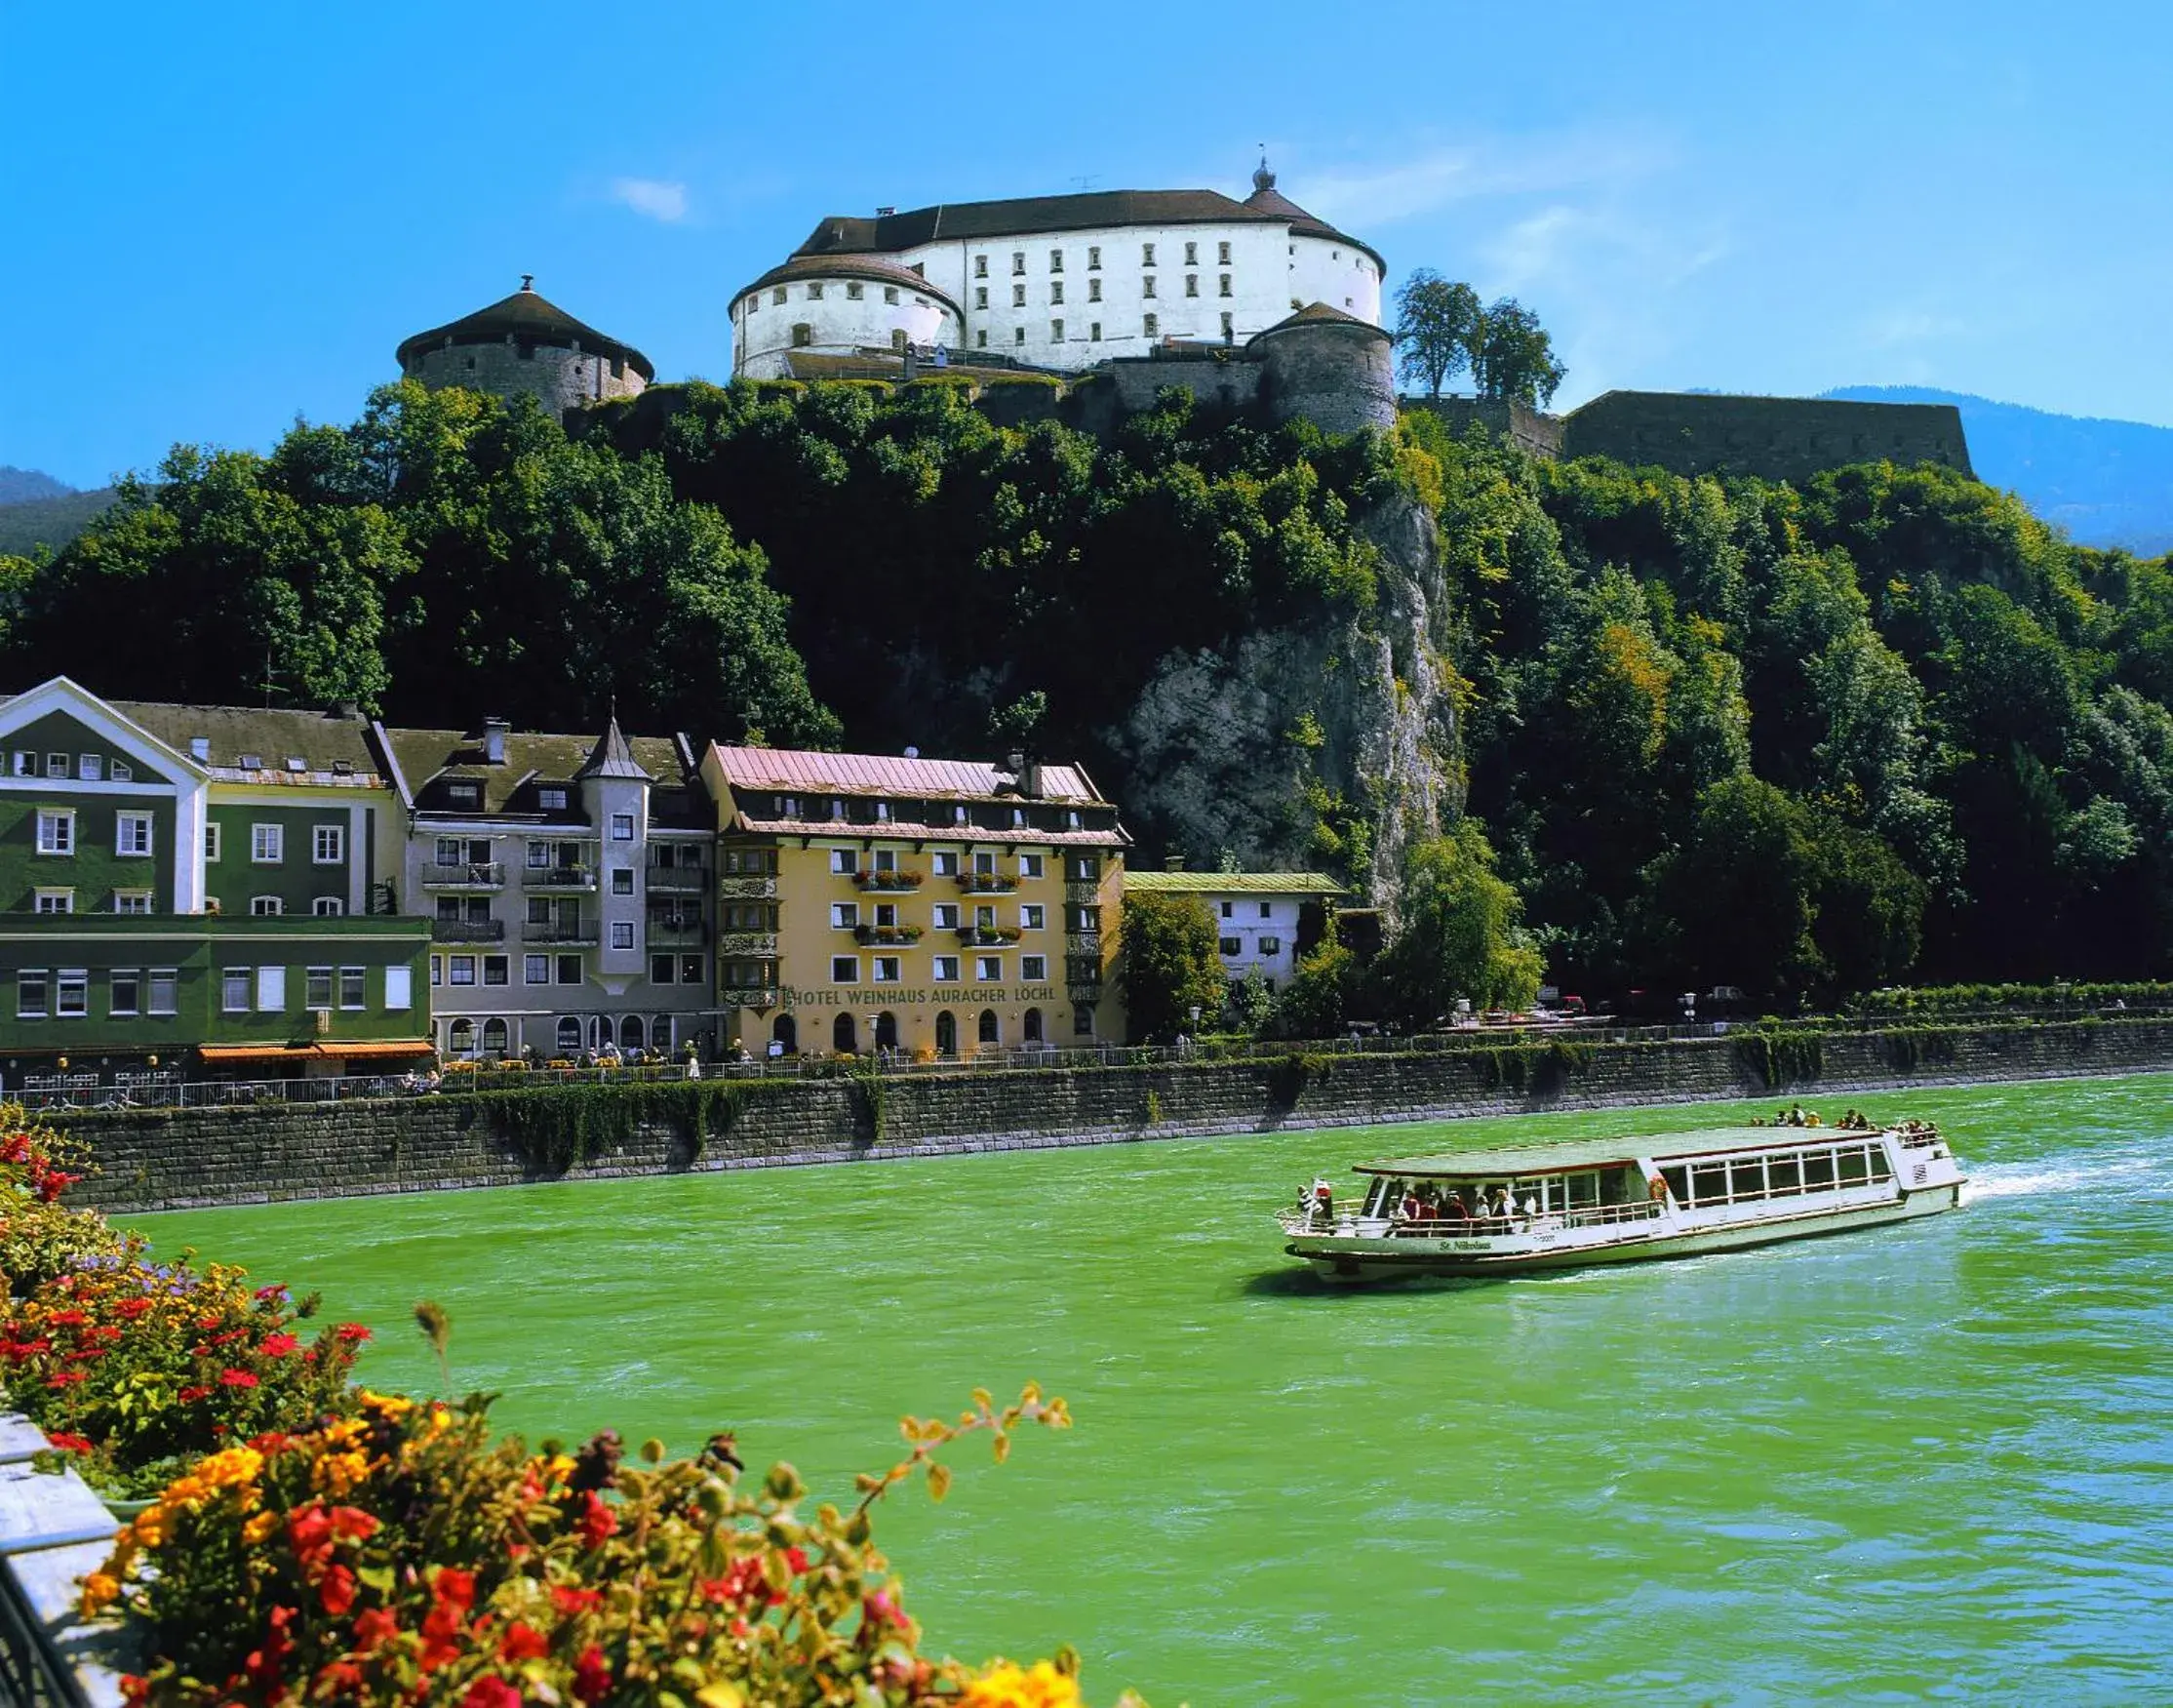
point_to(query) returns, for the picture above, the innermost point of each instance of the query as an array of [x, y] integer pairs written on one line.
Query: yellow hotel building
[[937, 907]]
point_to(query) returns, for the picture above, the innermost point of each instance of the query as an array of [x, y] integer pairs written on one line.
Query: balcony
[[744, 996], [564, 934], [463, 875], [677, 933], [560, 877], [886, 934], [676, 880], [467, 931], [1083, 892], [1082, 996], [986, 883], [746, 942], [888, 881], [1086, 943], [988, 933], [748, 887]]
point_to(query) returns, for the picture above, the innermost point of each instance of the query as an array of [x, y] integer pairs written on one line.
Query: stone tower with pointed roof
[[522, 344], [615, 790]]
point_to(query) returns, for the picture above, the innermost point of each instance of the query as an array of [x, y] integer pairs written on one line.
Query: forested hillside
[[1714, 733]]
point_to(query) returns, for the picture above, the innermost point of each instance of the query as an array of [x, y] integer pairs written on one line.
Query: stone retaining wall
[[151, 1160]]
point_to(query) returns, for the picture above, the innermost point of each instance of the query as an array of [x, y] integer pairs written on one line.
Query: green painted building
[[161, 863]]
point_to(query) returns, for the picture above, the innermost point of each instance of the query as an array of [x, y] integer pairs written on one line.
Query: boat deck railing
[[1479, 1227]]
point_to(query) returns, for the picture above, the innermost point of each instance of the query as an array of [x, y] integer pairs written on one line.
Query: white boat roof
[[1572, 1154]]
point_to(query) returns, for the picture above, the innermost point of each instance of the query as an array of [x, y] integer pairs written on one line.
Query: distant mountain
[[21, 485], [2107, 483]]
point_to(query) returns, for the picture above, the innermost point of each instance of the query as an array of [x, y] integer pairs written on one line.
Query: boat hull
[[1359, 1261]]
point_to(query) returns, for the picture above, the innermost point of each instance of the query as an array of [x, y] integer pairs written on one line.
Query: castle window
[[778, 295], [1153, 326], [1055, 260], [1093, 290], [980, 339], [1147, 285], [1018, 260], [1057, 289], [803, 335], [1192, 255], [618, 368], [1191, 284], [980, 267], [890, 293], [814, 292], [1146, 254], [1019, 334], [980, 296], [1093, 257], [471, 364], [1055, 332], [897, 339], [1228, 327], [854, 291], [1222, 254], [1018, 295], [1225, 290], [1093, 332]]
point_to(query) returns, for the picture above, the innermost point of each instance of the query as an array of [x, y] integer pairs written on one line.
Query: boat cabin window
[[1788, 1174], [1818, 1171]]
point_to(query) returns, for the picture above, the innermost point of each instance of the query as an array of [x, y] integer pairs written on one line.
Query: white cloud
[[652, 197], [1359, 197]]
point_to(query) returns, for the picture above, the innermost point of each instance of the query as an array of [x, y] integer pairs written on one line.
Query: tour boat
[[1620, 1199]]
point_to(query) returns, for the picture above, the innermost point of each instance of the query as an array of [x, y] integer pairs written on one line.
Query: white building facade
[[1055, 281], [1263, 920]]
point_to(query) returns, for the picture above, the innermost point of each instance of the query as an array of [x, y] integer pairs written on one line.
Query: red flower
[[350, 1524], [278, 1345], [272, 1441], [797, 1559], [229, 1337], [236, 1378], [263, 1664], [453, 1588], [188, 1396], [350, 1332], [132, 1308], [592, 1679], [50, 1186], [523, 1642], [491, 1693], [67, 1319], [63, 1378], [441, 1636], [70, 1444], [880, 1610], [272, 1291], [341, 1677], [598, 1521], [575, 1601], [337, 1591], [373, 1626]]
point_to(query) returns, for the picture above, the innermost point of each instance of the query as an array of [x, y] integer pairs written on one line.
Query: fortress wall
[[1528, 429], [1775, 438], [1339, 378], [167, 1159], [557, 379]]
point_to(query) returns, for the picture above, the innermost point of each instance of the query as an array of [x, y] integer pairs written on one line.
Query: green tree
[[1514, 359], [1436, 328], [1323, 994], [1460, 935], [1169, 964]]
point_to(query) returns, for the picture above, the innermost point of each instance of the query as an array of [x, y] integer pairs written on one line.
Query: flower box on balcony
[[988, 933], [886, 934], [986, 883], [899, 880]]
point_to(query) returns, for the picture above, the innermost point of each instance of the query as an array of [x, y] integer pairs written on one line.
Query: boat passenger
[[1453, 1209], [1501, 1204]]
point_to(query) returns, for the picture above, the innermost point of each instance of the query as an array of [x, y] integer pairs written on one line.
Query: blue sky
[[217, 217]]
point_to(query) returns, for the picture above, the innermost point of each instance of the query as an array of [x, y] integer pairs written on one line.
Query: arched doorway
[[842, 1036], [568, 1034], [630, 1033], [991, 1032], [1030, 1025], [494, 1037], [460, 1041], [886, 1031], [946, 1033], [785, 1031]]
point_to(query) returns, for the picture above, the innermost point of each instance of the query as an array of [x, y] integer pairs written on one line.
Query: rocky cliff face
[[1291, 744]]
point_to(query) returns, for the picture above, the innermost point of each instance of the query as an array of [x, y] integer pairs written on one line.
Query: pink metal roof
[[881, 773]]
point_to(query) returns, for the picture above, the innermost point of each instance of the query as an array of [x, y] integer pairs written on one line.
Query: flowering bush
[[400, 1556], [135, 1365], [39, 1236]]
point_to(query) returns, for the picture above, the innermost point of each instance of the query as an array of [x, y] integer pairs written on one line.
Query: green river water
[[1930, 1462]]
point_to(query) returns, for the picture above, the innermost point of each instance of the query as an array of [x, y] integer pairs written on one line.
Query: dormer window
[[252, 762], [551, 800], [343, 767], [788, 805], [837, 809], [465, 794], [296, 763], [118, 771], [882, 812]]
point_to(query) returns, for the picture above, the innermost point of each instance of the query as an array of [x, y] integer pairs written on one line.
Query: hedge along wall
[[151, 1160]]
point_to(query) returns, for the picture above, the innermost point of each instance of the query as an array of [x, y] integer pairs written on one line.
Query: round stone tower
[[523, 344], [1329, 367]]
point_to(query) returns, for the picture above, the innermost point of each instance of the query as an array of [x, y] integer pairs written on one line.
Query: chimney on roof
[[528, 281], [1173, 863], [885, 213], [495, 731], [349, 709]]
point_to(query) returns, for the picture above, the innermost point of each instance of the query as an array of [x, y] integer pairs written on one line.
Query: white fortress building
[[1053, 282]]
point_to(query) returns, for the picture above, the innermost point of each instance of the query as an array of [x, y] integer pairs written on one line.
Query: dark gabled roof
[[323, 741], [1319, 314], [611, 757], [1266, 199], [879, 267], [1025, 215], [526, 315], [426, 756]]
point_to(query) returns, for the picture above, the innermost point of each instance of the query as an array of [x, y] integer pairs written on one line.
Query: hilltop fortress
[[1083, 309]]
